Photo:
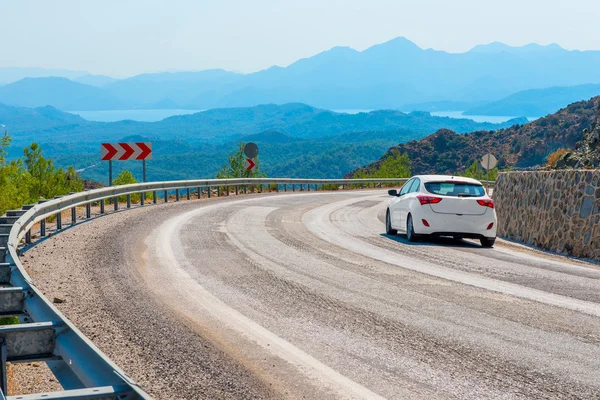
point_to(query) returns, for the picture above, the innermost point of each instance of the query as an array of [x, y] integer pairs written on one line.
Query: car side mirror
[[393, 192]]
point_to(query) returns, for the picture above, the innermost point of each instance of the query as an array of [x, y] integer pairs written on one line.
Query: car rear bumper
[[463, 226]]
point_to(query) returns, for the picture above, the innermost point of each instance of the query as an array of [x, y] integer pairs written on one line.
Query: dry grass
[[553, 157]]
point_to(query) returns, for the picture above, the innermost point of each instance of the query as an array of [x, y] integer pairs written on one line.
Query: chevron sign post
[[140, 151]]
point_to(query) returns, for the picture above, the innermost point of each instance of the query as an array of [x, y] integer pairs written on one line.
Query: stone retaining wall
[[553, 210]]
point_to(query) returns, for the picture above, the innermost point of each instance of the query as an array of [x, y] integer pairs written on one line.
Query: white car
[[441, 205]]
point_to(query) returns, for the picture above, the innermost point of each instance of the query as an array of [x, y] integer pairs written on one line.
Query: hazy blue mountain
[[391, 75], [21, 119], [192, 90], [396, 73], [13, 74], [537, 102], [498, 47], [58, 92], [96, 80]]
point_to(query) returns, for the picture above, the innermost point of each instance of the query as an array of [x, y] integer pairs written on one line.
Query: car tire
[[410, 229], [388, 224], [487, 242]]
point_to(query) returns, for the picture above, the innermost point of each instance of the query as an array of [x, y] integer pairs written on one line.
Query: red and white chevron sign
[[126, 151]]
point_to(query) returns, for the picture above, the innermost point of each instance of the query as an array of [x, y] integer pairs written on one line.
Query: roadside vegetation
[[477, 172], [553, 157], [32, 177], [395, 165], [236, 166]]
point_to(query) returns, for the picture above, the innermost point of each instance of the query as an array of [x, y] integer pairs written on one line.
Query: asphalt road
[[304, 296]]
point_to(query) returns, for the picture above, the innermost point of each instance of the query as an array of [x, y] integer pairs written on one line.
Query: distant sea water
[[160, 114], [477, 118]]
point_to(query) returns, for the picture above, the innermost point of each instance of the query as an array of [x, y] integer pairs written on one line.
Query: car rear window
[[458, 189]]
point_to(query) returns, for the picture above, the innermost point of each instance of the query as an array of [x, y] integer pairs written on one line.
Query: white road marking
[[187, 286], [319, 223]]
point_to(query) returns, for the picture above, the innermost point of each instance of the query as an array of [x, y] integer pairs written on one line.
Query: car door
[[396, 206], [406, 201]]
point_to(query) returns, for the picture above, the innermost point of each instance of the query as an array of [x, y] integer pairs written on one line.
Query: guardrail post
[[277, 188], [154, 197], [59, 221], [227, 190], [102, 206], [28, 237], [308, 187], [142, 198], [43, 227], [166, 196], [285, 188], [293, 187], [73, 215], [208, 191], [176, 194], [116, 203], [128, 200], [236, 190], [88, 210], [187, 193], [199, 192], [245, 189]]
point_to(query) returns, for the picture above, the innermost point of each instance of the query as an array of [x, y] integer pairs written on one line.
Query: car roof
[[443, 178]]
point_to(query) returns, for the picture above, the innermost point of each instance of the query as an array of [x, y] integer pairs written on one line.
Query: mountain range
[[296, 140], [49, 125], [519, 146], [536, 102], [394, 75]]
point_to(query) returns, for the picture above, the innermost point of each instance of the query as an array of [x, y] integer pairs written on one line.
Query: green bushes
[[32, 177], [476, 172], [236, 166], [395, 165]]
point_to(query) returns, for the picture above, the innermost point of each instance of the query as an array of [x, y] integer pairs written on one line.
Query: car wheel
[[388, 224], [487, 242], [410, 230]]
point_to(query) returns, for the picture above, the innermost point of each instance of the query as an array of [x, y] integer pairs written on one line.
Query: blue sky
[[128, 37]]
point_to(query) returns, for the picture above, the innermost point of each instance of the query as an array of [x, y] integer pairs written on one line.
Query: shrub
[[553, 157]]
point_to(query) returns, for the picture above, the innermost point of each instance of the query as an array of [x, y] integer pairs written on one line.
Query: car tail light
[[486, 203], [490, 226], [429, 200], [425, 222]]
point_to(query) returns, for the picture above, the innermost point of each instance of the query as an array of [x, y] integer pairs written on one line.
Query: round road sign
[[488, 161], [251, 150]]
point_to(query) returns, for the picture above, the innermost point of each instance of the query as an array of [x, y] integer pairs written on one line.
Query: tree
[[475, 172], [33, 177], [47, 181], [395, 165], [236, 166], [126, 178]]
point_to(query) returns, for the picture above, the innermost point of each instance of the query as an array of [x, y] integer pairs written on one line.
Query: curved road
[[304, 296]]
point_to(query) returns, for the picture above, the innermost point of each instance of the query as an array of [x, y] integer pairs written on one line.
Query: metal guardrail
[[44, 333]]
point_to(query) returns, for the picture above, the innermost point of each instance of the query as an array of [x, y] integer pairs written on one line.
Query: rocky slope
[[586, 153], [519, 146]]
